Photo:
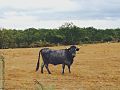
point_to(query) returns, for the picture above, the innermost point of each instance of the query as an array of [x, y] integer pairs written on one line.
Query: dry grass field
[[95, 67]]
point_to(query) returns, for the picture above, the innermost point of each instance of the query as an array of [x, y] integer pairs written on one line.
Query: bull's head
[[73, 50]]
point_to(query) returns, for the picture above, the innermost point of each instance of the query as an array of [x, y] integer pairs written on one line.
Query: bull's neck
[[69, 55]]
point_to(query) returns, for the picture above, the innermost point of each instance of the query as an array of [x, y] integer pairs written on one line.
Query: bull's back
[[54, 56]]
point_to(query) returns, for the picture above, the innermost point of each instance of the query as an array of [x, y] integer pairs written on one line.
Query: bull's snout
[[77, 49]]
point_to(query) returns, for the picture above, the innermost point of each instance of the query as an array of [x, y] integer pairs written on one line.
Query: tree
[[70, 33]]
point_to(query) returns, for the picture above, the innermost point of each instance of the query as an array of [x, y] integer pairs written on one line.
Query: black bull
[[55, 57]]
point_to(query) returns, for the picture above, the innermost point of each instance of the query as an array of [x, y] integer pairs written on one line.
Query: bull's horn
[[80, 46], [66, 47]]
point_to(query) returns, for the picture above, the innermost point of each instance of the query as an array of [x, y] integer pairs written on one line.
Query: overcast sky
[[22, 14]]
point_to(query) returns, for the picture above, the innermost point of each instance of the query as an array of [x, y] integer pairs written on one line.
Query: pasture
[[95, 67]]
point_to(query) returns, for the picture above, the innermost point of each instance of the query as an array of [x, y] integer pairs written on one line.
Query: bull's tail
[[37, 67]]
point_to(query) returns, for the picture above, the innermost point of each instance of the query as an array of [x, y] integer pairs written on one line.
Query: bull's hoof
[[49, 72], [41, 71]]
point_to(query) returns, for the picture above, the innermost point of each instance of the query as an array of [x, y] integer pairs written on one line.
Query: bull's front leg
[[46, 65], [69, 68], [63, 67]]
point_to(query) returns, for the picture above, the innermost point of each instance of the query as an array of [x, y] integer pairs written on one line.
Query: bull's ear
[[77, 49]]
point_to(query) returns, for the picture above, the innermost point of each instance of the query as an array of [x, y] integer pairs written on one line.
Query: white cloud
[[54, 5], [103, 24], [23, 14], [20, 22], [24, 22]]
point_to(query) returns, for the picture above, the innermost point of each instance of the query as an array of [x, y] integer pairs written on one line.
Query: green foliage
[[66, 34], [70, 33]]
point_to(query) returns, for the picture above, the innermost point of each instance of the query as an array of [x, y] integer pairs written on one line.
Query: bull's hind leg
[[42, 66], [46, 65]]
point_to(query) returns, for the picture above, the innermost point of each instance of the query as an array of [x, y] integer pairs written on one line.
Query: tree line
[[66, 34]]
